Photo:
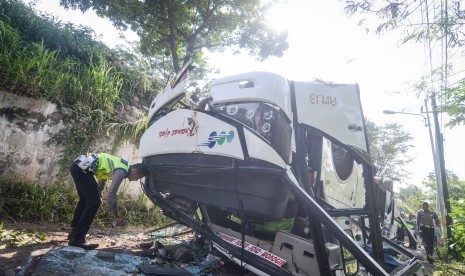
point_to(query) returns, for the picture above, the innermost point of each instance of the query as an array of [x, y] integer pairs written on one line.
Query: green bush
[[452, 257], [21, 202], [64, 64], [30, 202], [457, 242], [70, 40], [449, 269]]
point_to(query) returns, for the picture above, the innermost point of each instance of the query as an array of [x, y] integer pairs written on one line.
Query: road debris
[[177, 251]]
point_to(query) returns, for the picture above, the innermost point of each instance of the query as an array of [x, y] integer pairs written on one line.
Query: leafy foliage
[[412, 198], [457, 196], [125, 130], [389, 146], [449, 269], [423, 21], [411, 16], [138, 211], [143, 76], [456, 186], [457, 242], [181, 29], [70, 40], [30, 202], [89, 81], [67, 65], [12, 238], [455, 104]]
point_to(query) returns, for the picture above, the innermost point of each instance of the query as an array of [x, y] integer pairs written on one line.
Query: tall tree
[[411, 198], [389, 145], [455, 104], [181, 29], [456, 186]]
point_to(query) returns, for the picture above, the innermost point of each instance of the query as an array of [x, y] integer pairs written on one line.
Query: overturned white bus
[[275, 173]]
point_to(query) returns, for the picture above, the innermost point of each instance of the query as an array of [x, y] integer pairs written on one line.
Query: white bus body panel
[[348, 193], [165, 97], [253, 87], [258, 149], [173, 134], [334, 109]]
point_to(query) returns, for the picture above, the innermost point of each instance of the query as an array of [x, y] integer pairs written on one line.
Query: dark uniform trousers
[[88, 204], [427, 234]]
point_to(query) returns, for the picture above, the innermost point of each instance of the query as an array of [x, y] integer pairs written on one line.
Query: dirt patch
[[119, 240]]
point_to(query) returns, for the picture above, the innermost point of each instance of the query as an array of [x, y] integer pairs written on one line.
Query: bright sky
[[326, 44]]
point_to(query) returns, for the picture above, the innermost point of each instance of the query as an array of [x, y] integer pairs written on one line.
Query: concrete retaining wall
[[31, 146]]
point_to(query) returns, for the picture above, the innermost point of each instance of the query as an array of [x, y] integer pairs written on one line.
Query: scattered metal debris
[[170, 231], [174, 253], [170, 271], [77, 261]]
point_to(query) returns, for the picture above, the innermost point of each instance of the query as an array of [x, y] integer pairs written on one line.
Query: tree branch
[[172, 36]]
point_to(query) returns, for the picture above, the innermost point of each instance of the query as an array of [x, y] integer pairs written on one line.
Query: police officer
[[84, 170], [426, 221]]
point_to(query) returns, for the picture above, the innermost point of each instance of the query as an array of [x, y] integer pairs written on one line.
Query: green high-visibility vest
[[410, 225], [107, 164]]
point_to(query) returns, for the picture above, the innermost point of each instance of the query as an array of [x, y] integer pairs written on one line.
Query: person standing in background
[[410, 223], [426, 222], [400, 232]]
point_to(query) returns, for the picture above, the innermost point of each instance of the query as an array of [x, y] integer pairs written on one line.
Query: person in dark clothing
[[195, 98], [412, 243], [426, 221], [85, 170], [400, 232]]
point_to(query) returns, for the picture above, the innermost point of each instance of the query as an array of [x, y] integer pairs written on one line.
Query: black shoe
[[86, 246]]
